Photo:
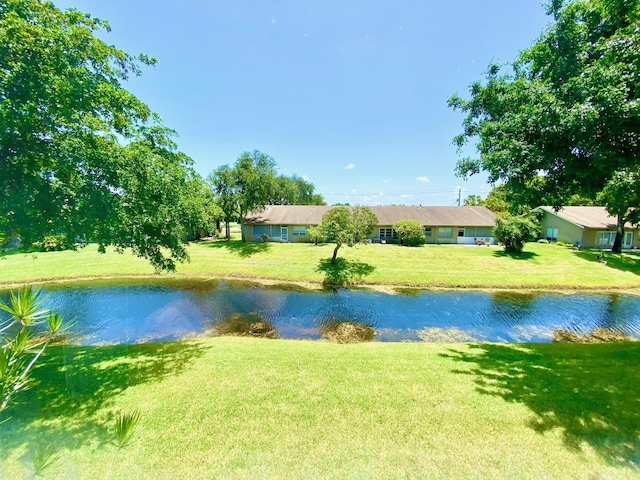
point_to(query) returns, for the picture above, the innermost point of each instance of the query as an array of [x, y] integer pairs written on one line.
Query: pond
[[133, 313]]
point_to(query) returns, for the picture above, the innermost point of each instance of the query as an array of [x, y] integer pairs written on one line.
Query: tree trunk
[[242, 226], [617, 243], [335, 254], [227, 229]]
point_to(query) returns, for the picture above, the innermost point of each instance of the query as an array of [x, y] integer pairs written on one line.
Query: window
[[552, 233], [299, 231], [427, 231], [461, 232], [388, 233], [445, 232], [605, 238]]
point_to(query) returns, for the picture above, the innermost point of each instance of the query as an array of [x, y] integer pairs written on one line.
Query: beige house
[[289, 223], [589, 227]]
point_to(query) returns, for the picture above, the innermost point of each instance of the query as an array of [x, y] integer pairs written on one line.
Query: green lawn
[[541, 266], [251, 408]]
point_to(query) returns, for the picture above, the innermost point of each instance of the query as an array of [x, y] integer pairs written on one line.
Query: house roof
[[387, 215], [586, 217]]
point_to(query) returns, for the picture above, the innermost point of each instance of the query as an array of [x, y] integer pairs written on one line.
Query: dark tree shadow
[[343, 272], [73, 382], [629, 261], [514, 256], [238, 247], [590, 392]]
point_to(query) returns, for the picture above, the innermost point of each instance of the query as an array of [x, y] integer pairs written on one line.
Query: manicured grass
[[541, 266], [248, 408]]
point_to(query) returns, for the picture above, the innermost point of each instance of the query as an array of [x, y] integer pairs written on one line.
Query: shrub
[[543, 240], [55, 243], [410, 232], [514, 232]]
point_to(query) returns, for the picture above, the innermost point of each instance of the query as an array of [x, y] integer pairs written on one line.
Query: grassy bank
[[541, 266], [246, 408]]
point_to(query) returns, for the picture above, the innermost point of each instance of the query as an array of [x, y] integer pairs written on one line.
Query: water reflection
[[130, 313]]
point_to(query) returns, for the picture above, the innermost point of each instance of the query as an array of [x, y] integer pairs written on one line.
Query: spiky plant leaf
[[25, 306], [45, 457], [125, 427]]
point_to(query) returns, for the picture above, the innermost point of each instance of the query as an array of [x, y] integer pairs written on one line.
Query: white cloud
[[351, 166], [386, 181], [406, 195], [354, 191], [423, 179]]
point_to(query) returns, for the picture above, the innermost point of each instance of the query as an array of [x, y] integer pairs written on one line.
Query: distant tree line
[[253, 183]]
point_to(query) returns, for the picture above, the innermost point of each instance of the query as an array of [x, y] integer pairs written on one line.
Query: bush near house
[[514, 232], [410, 232]]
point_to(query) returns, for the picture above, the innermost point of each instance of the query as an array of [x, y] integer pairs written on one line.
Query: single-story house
[[289, 223], [590, 227]]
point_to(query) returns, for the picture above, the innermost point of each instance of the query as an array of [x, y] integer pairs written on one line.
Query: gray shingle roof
[[387, 215], [586, 217]]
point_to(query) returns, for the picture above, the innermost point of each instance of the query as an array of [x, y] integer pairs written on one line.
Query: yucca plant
[[45, 457], [24, 307], [57, 326], [18, 350], [124, 431]]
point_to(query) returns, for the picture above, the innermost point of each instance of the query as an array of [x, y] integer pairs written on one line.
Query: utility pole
[[459, 194]]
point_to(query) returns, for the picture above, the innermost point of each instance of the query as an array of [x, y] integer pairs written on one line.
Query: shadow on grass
[[626, 261], [515, 256], [73, 382], [590, 392], [343, 272], [238, 247]]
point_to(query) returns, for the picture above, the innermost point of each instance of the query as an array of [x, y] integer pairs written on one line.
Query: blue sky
[[351, 94]]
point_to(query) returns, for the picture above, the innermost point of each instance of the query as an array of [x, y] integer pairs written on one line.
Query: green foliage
[[565, 117], [18, 351], [249, 185], [315, 234], [124, 430], [363, 222], [45, 458], [411, 232], [514, 232], [344, 226], [82, 156], [621, 197], [53, 243], [294, 190], [473, 201]]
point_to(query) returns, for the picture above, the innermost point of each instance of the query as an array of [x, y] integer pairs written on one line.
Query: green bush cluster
[[54, 243], [410, 232]]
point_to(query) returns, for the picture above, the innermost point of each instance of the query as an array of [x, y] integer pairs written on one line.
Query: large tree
[[80, 155], [248, 185], [566, 115]]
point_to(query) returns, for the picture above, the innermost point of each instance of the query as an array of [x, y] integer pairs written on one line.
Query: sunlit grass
[[251, 408], [541, 266]]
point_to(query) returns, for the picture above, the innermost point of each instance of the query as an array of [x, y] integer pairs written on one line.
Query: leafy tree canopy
[[253, 182], [566, 115], [621, 197], [249, 185], [345, 226], [81, 156]]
